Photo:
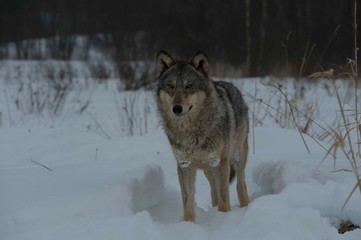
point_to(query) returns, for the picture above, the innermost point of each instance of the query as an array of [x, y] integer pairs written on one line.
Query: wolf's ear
[[200, 62], [164, 61]]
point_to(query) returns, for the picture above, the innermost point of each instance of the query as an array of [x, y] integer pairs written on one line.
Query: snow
[[81, 176]]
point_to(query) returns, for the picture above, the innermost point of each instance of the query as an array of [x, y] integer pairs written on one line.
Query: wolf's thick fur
[[207, 126]]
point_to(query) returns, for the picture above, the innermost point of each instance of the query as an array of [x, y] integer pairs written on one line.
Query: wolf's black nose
[[177, 109]]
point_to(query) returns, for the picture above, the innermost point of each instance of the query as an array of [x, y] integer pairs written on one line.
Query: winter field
[[81, 159]]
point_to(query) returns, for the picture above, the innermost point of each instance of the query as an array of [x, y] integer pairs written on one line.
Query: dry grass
[[346, 135]]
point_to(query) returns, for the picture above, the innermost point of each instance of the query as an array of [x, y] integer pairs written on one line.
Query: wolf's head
[[182, 85]]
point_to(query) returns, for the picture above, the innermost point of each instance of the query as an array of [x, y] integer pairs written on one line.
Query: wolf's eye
[[189, 86], [171, 85]]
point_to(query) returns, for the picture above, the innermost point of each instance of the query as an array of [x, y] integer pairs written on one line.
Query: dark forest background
[[258, 36]]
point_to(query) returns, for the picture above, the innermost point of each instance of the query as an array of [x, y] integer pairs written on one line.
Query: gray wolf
[[207, 126]]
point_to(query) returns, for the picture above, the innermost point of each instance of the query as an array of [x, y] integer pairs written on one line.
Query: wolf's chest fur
[[193, 134], [196, 139]]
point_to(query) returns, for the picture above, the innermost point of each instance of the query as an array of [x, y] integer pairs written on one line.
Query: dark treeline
[[259, 36]]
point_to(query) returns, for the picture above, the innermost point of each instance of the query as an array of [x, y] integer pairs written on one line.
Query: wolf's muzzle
[[178, 110]]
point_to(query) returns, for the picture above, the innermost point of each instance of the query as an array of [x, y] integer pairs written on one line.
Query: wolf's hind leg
[[186, 176], [240, 163], [223, 171]]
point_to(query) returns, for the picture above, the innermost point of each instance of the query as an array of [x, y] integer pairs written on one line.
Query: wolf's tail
[[232, 173]]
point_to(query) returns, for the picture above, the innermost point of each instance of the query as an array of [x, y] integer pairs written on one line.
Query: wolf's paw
[[224, 207], [189, 216], [244, 202]]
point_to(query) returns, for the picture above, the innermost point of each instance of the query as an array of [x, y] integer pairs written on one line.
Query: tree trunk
[[247, 68]]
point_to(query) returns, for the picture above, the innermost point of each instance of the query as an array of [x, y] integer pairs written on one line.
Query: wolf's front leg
[[209, 173], [186, 176]]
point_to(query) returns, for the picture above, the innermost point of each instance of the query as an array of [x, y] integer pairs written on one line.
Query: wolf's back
[[234, 96]]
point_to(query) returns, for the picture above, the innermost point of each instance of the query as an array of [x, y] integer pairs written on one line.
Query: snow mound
[[70, 197], [146, 190], [273, 177]]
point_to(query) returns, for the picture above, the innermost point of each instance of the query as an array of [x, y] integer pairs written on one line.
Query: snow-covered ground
[[103, 169]]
